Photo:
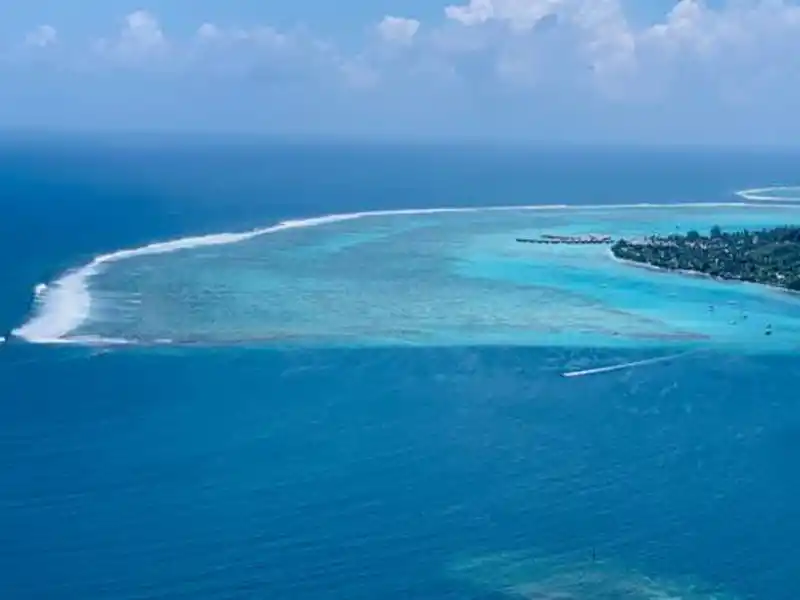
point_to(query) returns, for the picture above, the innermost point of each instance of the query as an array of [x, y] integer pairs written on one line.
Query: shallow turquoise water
[[445, 279]]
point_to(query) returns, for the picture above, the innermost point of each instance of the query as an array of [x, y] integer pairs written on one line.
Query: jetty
[[568, 239]]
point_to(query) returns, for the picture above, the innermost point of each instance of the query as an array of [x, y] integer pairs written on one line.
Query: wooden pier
[[568, 239]]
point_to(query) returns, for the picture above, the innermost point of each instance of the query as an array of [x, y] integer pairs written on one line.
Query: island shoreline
[[700, 275]]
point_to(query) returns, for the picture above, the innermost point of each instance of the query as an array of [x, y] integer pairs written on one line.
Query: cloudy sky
[[645, 71]]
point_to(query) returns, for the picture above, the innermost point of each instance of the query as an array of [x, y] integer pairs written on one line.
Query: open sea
[[374, 407]]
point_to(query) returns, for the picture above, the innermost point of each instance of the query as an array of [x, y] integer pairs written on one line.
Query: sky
[[607, 71]]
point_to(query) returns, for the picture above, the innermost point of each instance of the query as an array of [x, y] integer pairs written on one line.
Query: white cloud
[[594, 39], [262, 35], [209, 31], [546, 40], [142, 31], [42, 37], [608, 43], [475, 13], [745, 49], [691, 28], [536, 45], [357, 74], [273, 57], [140, 37], [258, 52], [519, 14], [398, 29]]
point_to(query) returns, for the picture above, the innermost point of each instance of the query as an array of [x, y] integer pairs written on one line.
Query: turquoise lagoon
[[433, 278]]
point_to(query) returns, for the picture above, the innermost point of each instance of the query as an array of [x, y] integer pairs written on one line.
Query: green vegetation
[[769, 256]]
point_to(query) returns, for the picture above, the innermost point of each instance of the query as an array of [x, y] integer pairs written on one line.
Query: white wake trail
[[627, 365]]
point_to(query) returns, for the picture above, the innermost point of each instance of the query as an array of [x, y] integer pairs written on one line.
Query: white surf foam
[[768, 194], [627, 365], [65, 304]]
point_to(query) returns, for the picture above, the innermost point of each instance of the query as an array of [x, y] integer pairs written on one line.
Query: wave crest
[[776, 193]]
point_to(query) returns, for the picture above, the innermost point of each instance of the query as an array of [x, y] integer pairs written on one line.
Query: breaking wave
[[776, 193]]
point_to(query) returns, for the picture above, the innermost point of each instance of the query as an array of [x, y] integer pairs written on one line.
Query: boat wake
[[62, 306], [627, 365]]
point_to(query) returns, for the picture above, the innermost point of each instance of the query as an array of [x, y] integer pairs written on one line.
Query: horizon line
[[11, 135]]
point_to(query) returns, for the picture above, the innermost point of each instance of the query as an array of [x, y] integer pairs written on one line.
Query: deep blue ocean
[[215, 473]]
